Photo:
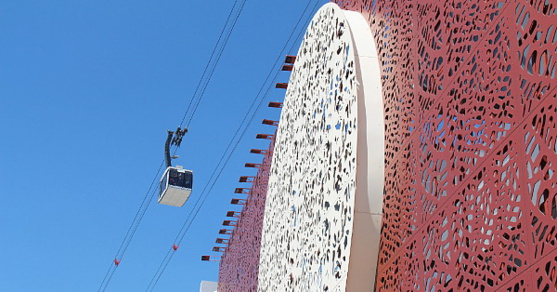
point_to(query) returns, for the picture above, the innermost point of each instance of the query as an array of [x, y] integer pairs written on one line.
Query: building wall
[[325, 184], [319, 187], [470, 193], [471, 144], [239, 266], [309, 210]]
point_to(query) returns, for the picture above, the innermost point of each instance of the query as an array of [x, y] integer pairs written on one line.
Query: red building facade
[[239, 265], [471, 144], [470, 200]]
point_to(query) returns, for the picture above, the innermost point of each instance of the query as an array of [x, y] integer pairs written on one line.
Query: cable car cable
[[280, 57], [106, 276], [214, 67], [213, 53], [111, 273], [150, 194], [155, 279], [130, 232], [179, 239], [204, 195], [138, 217]]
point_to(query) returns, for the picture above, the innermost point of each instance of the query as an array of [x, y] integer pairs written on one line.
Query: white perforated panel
[[309, 211]]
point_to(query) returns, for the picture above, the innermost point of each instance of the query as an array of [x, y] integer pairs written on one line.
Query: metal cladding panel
[[470, 141], [316, 208], [239, 267], [309, 213]]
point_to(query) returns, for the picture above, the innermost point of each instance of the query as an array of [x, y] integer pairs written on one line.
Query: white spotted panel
[[309, 212]]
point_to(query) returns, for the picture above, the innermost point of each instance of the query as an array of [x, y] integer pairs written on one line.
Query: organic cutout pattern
[[471, 143], [239, 265], [309, 210]]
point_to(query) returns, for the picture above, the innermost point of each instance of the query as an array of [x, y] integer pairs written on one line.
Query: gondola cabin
[[175, 186]]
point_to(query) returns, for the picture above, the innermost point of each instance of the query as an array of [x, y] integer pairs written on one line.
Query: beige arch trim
[[368, 206]]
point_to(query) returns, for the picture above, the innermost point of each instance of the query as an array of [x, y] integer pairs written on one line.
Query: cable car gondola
[[176, 182], [175, 186]]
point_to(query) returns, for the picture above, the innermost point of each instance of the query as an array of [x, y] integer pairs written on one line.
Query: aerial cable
[[227, 154], [151, 192], [185, 229], [213, 53], [160, 270], [268, 77], [216, 62], [130, 232], [137, 218], [107, 276]]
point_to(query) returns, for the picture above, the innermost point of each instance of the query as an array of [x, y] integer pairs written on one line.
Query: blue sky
[[87, 91]]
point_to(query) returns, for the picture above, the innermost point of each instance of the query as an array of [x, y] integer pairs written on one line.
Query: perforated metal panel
[[239, 266], [308, 225], [471, 144]]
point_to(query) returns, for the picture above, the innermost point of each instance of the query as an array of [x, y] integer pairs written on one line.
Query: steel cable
[[227, 154], [140, 213]]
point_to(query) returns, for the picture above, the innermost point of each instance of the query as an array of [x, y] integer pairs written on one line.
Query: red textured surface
[[239, 266], [471, 144]]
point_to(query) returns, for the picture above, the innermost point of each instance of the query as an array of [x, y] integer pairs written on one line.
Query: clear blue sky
[[87, 91]]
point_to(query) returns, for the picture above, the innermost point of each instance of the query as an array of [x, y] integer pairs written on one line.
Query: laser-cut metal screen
[[308, 225], [471, 144], [239, 266]]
